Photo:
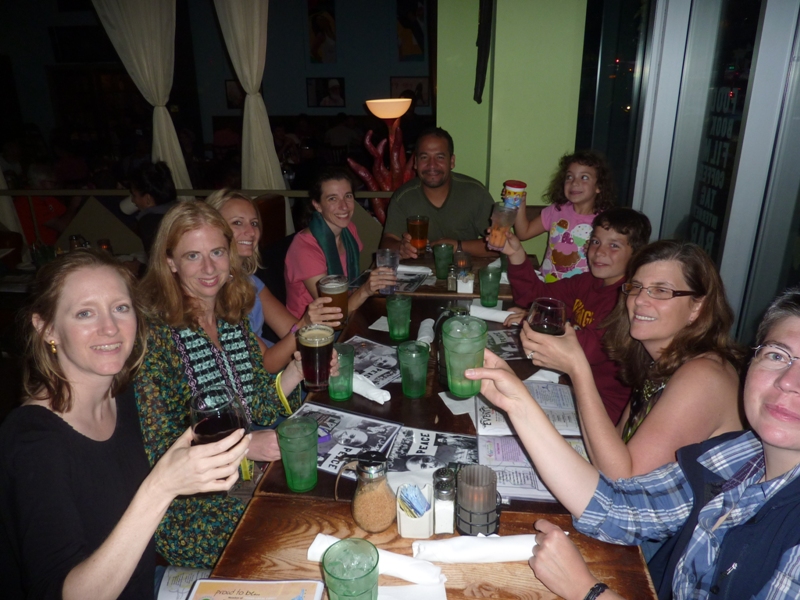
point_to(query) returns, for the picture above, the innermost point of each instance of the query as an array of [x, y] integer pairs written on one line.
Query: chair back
[[13, 240], [272, 213]]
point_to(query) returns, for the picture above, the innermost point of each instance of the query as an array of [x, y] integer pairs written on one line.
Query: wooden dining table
[[439, 289], [278, 526]]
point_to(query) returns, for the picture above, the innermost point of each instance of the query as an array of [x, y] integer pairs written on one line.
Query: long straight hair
[[164, 296]]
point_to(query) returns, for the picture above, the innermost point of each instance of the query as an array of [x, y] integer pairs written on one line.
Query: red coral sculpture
[[383, 178]]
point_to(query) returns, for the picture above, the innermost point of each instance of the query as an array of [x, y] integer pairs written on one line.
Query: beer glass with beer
[[315, 343], [418, 230], [335, 287]]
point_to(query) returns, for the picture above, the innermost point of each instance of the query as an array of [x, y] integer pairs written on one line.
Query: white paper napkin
[[488, 314], [364, 387], [382, 324], [469, 549], [417, 592], [458, 406], [414, 269], [425, 333], [545, 375], [389, 563]]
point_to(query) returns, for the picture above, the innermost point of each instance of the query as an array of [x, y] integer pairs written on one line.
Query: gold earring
[[53, 348]]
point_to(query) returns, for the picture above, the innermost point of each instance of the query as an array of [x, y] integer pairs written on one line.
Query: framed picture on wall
[[322, 31], [325, 92], [411, 87], [411, 28], [234, 93]]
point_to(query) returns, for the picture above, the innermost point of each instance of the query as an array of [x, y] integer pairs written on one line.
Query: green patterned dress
[[195, 529]]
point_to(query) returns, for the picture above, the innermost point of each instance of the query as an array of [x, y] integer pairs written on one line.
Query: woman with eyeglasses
[[669, 333], [727, 510]]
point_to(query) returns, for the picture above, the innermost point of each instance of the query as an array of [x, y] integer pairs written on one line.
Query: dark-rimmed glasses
[[654, 291]]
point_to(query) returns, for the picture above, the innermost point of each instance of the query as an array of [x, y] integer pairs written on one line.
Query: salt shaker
[[443, 507], [452, 281]]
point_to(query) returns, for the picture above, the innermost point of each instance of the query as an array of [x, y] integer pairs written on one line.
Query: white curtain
[[9, 218], [143, 33], [244, 27]]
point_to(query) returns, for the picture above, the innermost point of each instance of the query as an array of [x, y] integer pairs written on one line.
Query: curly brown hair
[[709, 333], [163, 295], [605, 181], [42, 375]]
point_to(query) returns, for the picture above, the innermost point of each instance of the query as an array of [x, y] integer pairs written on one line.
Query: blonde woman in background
[[241, 213]]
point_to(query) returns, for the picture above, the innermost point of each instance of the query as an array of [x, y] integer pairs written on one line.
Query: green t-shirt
[[465, 214]]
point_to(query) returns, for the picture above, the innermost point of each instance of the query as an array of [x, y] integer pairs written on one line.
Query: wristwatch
[[458, 248], [594, 593]]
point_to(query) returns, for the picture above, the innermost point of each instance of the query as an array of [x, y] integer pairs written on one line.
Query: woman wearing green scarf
[[330, 246]]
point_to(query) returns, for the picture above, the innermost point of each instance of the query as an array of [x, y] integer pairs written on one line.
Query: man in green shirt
[[458, 207]]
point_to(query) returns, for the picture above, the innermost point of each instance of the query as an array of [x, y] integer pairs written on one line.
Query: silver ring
[[530, 355]]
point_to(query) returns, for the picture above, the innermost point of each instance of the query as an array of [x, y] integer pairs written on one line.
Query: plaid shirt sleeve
[[646, 507]]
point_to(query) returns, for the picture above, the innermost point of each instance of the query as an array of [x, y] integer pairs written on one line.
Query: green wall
[[529, 113], [456, 111]]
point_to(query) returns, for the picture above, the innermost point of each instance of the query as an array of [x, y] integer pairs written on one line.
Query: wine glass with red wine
[[217, 412], [547, 315]]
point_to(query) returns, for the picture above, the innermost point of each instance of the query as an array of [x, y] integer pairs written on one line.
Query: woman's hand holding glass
[[381, 277], [318, 313], [293, 374], [558, 352], [500, 384], [186, 469]]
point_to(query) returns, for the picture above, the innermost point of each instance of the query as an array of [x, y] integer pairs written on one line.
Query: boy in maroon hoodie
[[589, 297]]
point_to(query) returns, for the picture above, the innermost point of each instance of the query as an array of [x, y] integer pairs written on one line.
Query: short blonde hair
[[164, 296], [219, 199]]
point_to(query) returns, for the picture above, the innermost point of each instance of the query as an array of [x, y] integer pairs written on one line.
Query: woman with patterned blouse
[[669, 334], [197, 299]]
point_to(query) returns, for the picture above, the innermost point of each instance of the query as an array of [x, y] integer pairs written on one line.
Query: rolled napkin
[[364, 387], [418, 592], [389, 563], [468, 549], [414, 269], [425, 333], [489, 314]]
